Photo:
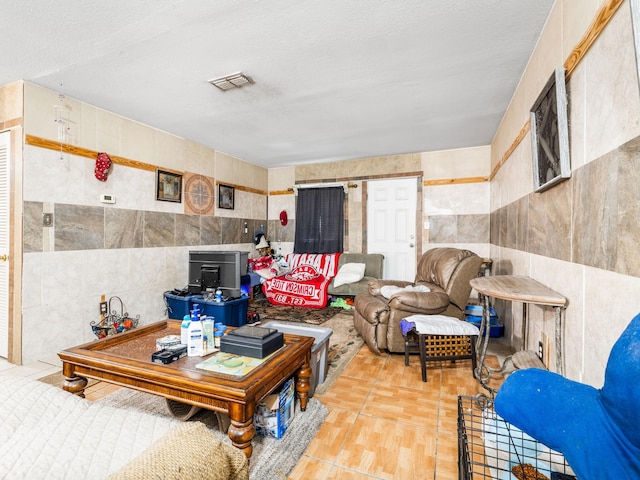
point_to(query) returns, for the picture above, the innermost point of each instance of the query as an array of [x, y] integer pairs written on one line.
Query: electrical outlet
[[103, 308], [47, 219], [541, 350]]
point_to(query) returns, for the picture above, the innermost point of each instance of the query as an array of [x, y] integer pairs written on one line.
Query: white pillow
[[349, 273]]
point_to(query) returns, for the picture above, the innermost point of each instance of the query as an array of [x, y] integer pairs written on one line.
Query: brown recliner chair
[[445, 271]]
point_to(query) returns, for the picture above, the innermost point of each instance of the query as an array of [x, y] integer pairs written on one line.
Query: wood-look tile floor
[[384, 422]]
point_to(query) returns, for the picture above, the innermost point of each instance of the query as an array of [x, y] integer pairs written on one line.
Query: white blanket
[[442, 325], [46, 432], [389, 290]]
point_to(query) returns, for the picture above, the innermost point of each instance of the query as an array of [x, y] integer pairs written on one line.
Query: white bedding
[[46, 432]]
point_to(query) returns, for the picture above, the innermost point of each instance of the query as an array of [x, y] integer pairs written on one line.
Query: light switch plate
[[106, 198]]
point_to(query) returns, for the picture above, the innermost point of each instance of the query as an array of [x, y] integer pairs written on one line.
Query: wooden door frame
[[14, 301]]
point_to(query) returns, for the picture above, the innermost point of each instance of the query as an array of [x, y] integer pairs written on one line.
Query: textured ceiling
[[334, 79]]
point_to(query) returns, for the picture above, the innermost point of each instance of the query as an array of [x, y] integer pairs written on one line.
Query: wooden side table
[[525, 290]]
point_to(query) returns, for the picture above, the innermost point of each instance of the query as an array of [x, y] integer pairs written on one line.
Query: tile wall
[[578, 237], [133, 250]]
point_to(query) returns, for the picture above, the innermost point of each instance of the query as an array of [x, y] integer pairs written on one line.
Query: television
[[212, 270]]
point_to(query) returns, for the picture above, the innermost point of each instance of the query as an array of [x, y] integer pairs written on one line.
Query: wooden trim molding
[[85, 152], [241, 187], [605, 14], [127, 162], [282, 192], [454, 181], [523, 132], [11, 123]]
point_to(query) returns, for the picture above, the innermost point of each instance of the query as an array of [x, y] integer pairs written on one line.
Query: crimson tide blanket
[[307, 283]]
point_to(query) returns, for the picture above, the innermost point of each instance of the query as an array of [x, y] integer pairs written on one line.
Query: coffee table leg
[[242, 430], [72, 382], [303, 384], [75, 385]]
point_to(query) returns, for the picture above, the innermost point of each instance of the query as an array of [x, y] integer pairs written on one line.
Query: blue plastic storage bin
[[177, 305], [232, 313], [476, 311], [473, 314], [494, 331]]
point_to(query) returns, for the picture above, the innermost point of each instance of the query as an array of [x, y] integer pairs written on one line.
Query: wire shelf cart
[[491, 448]]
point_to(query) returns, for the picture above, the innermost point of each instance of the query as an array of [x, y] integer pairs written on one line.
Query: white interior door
[[391, 225], [4, 244]]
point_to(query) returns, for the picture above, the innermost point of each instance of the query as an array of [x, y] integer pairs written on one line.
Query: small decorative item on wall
[[635, 23], [225, 196], [168, 186], [550, 134], [199, 194]]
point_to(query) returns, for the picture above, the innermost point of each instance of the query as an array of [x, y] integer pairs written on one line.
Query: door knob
[[3, 258]]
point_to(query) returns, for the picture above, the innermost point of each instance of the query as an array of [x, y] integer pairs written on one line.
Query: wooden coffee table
[[125, 359]]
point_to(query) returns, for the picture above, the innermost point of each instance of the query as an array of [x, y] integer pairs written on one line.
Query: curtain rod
[[322, 185]]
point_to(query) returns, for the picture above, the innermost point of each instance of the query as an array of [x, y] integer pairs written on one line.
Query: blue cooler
[[232, 313], [177, 305]]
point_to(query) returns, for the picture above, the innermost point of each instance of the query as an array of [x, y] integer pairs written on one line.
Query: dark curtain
[[319, 220]]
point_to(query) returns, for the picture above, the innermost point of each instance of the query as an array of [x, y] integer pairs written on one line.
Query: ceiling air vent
[[237, 80]]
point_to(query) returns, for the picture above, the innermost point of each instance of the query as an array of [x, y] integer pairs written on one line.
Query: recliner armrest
[[429, 303], [376, 285]]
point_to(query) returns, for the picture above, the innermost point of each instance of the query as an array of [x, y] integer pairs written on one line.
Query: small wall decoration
[[225, 196], [550, 134], [103, 164], [168, 186], [199, 194], [284, 219]]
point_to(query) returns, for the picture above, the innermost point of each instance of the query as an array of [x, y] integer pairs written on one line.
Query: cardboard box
[[275, 412]]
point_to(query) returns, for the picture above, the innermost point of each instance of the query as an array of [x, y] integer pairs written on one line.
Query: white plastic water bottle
[[218, 295], [194, 347], [184, 330]]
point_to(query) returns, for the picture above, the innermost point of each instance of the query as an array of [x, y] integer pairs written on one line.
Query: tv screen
[[214, 270]]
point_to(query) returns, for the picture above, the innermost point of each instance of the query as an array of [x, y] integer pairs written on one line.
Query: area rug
[[313, 316], [272, 459]]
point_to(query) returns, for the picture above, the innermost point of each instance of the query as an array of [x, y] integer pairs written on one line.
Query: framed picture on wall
[[225, 196], [168, 186], [550, 134]]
